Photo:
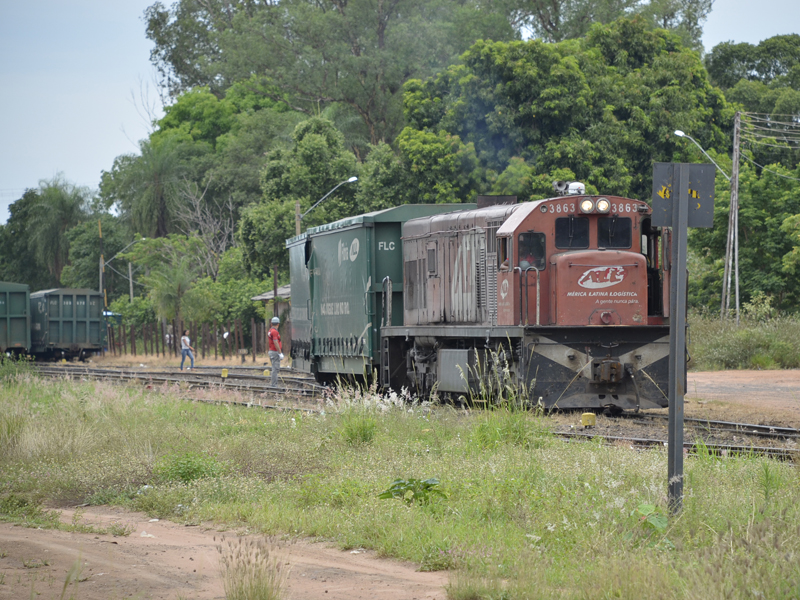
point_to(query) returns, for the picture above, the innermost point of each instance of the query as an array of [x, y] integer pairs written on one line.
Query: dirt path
[[761, 396], [163, 560]]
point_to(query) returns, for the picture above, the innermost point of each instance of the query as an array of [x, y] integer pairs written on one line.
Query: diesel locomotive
[[565, 299]]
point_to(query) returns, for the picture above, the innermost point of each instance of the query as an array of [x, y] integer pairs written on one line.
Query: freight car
[[565, 298], [15, 318], [339, 276], [66, 323]]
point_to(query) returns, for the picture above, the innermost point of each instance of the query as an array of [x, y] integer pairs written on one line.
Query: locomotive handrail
[[538, 294], [387, 306]]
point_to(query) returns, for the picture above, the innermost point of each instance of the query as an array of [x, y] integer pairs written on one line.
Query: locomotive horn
[[560, 186]]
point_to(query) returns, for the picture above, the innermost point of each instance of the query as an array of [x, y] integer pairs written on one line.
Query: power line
[[772, 145], [769, 170]]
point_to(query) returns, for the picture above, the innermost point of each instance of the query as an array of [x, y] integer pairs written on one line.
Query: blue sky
[[71, 70]]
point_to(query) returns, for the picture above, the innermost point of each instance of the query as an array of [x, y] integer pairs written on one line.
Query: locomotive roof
[[510, 225], [458, 220]]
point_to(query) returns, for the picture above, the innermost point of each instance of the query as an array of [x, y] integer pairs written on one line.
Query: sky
[[78, 84]]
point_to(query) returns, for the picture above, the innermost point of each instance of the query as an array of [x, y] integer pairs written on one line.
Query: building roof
[[284, 293]]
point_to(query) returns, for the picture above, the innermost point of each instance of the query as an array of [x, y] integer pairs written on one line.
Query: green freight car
[[15, 318], [67, 322], [347, 283]]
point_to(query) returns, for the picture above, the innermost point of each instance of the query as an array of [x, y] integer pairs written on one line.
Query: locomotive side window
[[531, 250], [572, 232], [614, 232], [503, 255]]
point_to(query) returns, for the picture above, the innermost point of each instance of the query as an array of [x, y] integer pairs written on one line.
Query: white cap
[[275, 320]]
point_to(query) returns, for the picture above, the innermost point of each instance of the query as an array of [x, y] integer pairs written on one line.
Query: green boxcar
[[15, 317], [340, 290], [67, 321]]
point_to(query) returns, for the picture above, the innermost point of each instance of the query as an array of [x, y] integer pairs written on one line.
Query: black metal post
[[677, 336]]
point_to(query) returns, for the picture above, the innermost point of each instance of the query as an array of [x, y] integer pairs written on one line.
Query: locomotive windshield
[[572, 232], [614, 232], [531, 250]]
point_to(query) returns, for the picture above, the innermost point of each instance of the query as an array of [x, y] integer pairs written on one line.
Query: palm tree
[[61, 206], [154, 182], [168, 283]]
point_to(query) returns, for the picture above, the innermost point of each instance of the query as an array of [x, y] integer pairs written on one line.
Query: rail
[[523, 284]]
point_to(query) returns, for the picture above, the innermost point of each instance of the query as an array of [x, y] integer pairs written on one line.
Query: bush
[[759, 342], [186, 467]]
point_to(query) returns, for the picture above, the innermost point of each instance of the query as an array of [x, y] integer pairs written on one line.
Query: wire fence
[[226, 340]]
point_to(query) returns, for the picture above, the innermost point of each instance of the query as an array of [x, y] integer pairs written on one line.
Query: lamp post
[[732, 242], [103, 270], [298, 217]]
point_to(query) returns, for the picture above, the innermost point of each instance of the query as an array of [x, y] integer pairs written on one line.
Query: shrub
[[186, 467]]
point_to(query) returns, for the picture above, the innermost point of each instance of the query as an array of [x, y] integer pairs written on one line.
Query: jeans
[[275, 358], [184, 353]]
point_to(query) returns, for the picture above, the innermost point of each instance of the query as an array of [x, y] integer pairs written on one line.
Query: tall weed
[[251, 570]]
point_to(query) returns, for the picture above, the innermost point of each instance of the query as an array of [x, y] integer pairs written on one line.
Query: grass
[[762, 340], [251, 570], [521, 514]]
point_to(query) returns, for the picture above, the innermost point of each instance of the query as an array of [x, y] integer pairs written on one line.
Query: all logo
[[504, 289], [601, 277], [348, 253]]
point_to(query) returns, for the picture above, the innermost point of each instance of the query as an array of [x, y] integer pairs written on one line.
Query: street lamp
[[679, 133], [298, 217], [732, 244], [103, 270]]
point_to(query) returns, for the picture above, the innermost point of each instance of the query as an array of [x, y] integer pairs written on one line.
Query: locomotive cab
[[576, 261]]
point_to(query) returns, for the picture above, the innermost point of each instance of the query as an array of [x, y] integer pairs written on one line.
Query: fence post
[[253, 338]]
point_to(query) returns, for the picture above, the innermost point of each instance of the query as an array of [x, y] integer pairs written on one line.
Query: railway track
[[692, 447], [238, 378], [722, 427]]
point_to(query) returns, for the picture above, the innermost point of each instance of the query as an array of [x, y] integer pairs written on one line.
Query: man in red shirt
[[275, 350]]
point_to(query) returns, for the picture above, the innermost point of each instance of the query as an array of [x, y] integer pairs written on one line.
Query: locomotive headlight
[[587, 205], [603, 205]]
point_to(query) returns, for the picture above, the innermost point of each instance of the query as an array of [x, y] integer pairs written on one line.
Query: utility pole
[[130, 279], [737, 124], [297, 217], [732, 244], [102, 286]]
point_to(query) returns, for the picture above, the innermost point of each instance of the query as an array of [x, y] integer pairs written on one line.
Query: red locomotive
[[567, 296]]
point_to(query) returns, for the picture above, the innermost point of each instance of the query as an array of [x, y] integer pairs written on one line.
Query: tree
[[18, 263], [61, 205], [316, 163], [356, 53], [772, 59], [604, 107], [83, 270], [559, 20], [768, 243], [146, 189], [172, 266]]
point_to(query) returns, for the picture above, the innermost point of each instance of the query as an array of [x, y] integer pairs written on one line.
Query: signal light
[[603, 205], [587, 205]]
